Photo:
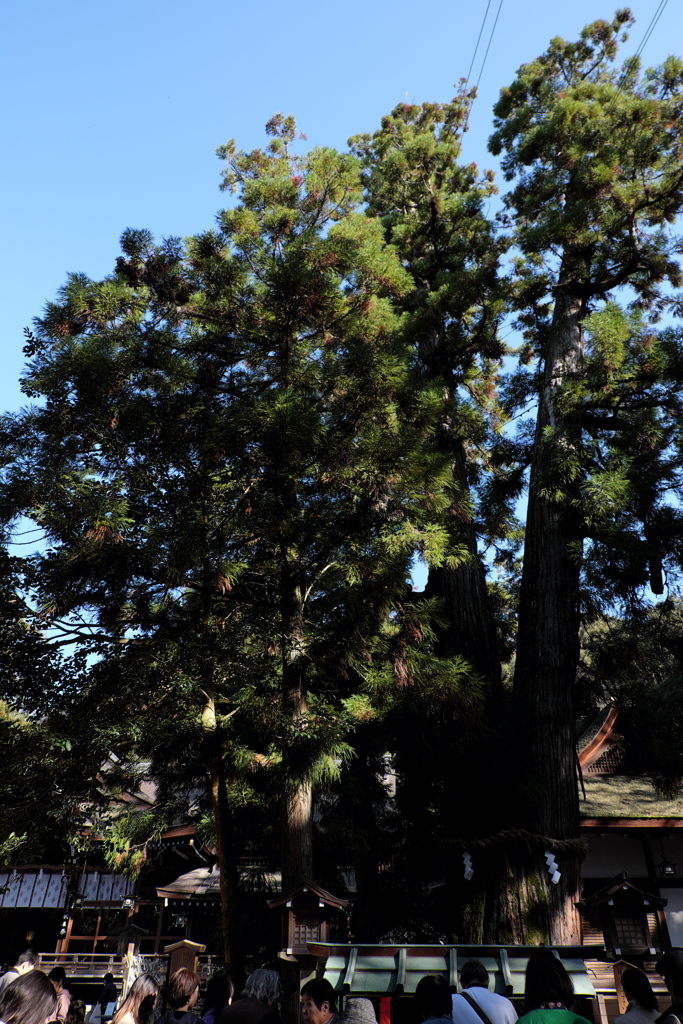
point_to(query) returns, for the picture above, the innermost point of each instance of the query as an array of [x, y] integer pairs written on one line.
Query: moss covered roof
[[624, 796]]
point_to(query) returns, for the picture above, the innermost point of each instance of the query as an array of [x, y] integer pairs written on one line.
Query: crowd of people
[[29, 996]]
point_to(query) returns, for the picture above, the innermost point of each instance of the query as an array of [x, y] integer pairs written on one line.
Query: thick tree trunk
[[297, 796], [470, 630], [225, 849], [511, 898], [297, 846], [548, 635], [366, 814]]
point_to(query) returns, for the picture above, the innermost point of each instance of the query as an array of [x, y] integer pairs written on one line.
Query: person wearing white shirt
[[25, 962], [493, 1008]]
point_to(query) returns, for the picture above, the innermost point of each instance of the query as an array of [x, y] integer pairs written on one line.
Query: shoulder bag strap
[[476, 1007]]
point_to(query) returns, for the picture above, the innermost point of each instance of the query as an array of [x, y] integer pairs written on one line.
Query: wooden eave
[[601, 742], [322, 895], [616, 887]]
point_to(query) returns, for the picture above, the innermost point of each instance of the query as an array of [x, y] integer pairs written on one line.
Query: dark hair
[[29, 956], [76, 1012], [181, 987], [433, 996], [638, 988], [108, 977], [144, 986], [57, 974], [320, 991], [671, 969], [30, 999], [547, 981], [219, 991], [474, 973]]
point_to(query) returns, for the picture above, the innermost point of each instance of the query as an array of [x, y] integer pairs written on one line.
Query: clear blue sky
[[113, 112]]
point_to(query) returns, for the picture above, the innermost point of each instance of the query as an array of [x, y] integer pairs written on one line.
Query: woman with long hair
[[548, 991], [137, 1007], [29, 999], [643, 1007]]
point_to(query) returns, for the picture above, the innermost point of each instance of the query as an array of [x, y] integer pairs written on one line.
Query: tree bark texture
[[297, 797], [511, 898], [470, 630], [225, 849], [548, 637]]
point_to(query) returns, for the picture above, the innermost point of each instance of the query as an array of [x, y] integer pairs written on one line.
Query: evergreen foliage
[[242, 439], [229, 470]]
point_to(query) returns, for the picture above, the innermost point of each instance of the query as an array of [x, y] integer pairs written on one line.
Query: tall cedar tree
[[228, 462], [596, 154], [433, 210]]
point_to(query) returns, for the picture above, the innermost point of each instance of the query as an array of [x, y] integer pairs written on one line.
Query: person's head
[[31, 999], [58, 978], [140, 1000], [547, 981], [474, 973], [264, 985], [359, 1010], [219, 992], [433, 996], [638, 988], [26, 961], [76, 1013], [671, 969], [183, 989], [317, 1001], [108, 978]]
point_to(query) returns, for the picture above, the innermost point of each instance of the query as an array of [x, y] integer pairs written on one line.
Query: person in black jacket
[[671, 969], [108, 993], [256, 1006], [181, 995]]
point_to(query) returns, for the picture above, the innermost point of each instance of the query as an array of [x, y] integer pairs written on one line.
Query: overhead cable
[[474, 55], [483, 63]]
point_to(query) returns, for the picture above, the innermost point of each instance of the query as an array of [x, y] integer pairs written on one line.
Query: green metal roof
[[382, 970]]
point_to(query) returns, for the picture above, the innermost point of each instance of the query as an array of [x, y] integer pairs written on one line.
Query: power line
[[655, 18], [474, 55], [648, 32], [483, 63]]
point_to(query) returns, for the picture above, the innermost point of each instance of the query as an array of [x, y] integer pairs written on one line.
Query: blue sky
[[113, 111]]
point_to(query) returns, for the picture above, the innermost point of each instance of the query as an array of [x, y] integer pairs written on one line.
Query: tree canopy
[[242, 439]]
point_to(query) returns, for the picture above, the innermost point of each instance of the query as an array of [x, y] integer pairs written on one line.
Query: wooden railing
[[79, 965], [96, 965]]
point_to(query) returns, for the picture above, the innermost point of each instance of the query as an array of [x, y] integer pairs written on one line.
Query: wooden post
[[97, 935], [127, 964], [160, 919], [183, 954], [618, 968], [65, 940]]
